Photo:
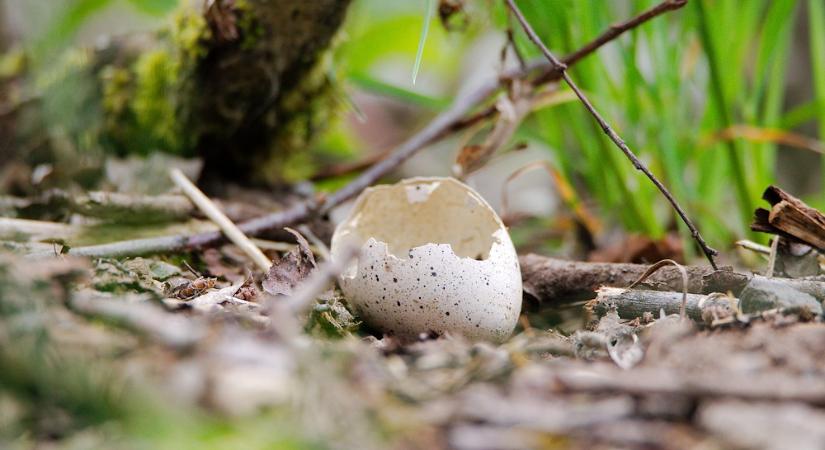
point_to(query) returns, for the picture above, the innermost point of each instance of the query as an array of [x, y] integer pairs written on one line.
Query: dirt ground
[[84, 344]]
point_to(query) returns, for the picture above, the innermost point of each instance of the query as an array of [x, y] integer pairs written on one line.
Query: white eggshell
[[434, 257]]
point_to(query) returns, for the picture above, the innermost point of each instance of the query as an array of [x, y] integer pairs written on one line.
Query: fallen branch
[[126, 208], [551, 280], [453, 119], [655, 268], [709, 252], [35, 230], [632, 303], [108, 206]]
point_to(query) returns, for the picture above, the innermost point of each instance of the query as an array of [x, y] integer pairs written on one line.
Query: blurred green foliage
[[668, 88], [73, 14]]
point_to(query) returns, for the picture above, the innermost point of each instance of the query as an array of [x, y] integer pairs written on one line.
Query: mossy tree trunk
[[262, 89], [245, 84]]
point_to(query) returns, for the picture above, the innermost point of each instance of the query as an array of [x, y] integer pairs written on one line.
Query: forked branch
[[562, 68]]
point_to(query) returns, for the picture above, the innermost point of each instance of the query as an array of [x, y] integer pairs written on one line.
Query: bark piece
[[790, 217]]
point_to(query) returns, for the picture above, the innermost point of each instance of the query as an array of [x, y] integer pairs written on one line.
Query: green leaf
[[154, 7], [61, 31]]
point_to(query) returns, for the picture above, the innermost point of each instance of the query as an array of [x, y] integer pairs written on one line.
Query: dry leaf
[[291, 269]]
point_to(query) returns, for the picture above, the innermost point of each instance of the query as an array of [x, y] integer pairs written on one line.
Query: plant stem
[[709, 252]]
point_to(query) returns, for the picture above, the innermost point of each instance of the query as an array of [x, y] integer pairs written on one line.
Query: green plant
[[667, 87]]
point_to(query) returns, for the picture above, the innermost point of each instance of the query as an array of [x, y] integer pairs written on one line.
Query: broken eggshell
[[434, 257]]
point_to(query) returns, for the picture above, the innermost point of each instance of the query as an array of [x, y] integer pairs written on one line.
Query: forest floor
[[186, 350]]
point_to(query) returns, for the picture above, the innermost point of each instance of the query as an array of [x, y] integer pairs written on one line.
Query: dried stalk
[[218, 218]]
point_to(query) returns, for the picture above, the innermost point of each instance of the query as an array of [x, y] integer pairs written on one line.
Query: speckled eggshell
[[434, 257]]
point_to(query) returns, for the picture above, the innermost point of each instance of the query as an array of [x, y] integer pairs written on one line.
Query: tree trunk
[[241, 83]]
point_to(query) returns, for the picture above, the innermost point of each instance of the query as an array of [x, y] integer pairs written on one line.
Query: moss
[[12, 63], [251, 30], [145, 101], [306, 111], [189, 35], [157, 75]]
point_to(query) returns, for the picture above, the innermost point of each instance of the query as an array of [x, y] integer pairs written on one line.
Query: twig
[[682, 271], [632, 303], [36, 230], [447, 122], [280, 246], [552, 72], [215, 215], [318, 247], [531, 34], [349, 167], [754, 247], [511, 43]]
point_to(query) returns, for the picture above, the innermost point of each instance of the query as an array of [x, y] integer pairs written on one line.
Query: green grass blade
[[375, 86], [719, 103], [816, 28], [419, 55], [798, 115]]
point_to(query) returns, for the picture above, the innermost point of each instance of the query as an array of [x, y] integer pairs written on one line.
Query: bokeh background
[[721, 99]]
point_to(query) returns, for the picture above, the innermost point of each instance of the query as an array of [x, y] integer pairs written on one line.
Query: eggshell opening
[[434, 258]]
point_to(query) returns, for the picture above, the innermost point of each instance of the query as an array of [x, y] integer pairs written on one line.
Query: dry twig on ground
[[216, 216]]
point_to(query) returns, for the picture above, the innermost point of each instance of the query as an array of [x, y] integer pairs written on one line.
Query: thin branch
[[531, 34], [553, 72], [218, 218], [511, 42], [682, 271], [457, 117]]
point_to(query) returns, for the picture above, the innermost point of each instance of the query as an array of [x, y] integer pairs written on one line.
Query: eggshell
[[434, 257]]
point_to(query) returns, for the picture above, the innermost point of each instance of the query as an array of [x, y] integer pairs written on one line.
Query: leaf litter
[[658, 383], [132, 348]]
